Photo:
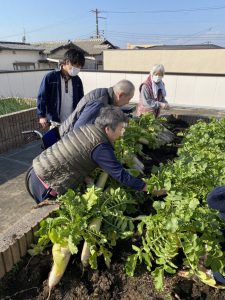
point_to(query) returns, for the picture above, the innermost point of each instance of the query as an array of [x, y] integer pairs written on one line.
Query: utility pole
[[96, 11]]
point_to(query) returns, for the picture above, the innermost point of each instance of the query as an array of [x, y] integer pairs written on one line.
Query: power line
[[196, 38], [165, 10], [154, 35]]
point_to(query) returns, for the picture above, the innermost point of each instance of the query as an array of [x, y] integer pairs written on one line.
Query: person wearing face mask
[[61, 90], [152, 93]]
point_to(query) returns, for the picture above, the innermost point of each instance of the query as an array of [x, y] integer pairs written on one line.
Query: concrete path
[[15, 202]]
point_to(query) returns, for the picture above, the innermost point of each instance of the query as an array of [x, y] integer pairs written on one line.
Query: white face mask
[[73, 71], [156, 78]]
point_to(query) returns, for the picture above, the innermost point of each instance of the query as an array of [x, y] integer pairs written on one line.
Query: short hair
[[75, 56], [110, 116], [124, 86], [157, 68]]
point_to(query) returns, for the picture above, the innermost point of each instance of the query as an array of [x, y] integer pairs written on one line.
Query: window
[[23, 66]]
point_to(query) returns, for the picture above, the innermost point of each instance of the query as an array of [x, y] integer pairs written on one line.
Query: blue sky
[[122, 22]]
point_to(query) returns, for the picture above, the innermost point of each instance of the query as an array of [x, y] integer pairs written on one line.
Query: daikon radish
[[61, 256]]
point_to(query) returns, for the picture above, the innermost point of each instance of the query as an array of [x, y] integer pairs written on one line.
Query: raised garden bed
[[28, 279], [9, 105]]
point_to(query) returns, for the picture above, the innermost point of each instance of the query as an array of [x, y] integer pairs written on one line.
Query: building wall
[[190, 61], [20, 84], [193, 89], [58, 54], [90, 64], [8, 57]]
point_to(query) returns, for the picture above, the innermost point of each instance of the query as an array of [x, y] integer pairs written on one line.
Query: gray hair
[[124, 86], [110, 116], [157, 69]]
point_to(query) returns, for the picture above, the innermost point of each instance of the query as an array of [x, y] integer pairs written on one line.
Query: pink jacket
[[141, 108]]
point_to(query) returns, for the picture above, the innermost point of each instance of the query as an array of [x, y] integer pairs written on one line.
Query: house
[[202, 58], [48, 55], [94, 48], [54, 52], [15, 56]]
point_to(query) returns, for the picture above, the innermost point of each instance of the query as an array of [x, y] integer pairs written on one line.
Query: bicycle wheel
[[27, 182]]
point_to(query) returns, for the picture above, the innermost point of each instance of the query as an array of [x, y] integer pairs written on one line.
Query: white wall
[[189, 90], [20, 84], [196, 90], [8, 57]]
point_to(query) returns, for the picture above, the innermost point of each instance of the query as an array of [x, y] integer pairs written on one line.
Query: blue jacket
[[49, 95], [88, 109]]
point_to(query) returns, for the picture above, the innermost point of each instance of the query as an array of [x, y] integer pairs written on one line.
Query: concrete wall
[[192, 90], [195, 90], [8, 57], [20, 84], [190, 61]]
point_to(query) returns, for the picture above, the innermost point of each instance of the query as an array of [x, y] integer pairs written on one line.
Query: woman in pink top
[[152, 93]]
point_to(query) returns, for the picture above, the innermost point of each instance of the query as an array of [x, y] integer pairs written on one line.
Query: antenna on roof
[[24, 36]]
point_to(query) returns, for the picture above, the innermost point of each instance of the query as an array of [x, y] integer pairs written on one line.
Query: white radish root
[[61, 256]]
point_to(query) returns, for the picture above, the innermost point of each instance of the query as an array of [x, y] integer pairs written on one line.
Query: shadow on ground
[[14, 199]]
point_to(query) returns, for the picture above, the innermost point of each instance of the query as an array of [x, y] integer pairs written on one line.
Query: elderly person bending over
[[68, 162], [89, 106], [152, 93]]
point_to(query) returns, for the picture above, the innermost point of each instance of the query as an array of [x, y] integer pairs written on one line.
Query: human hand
[[145, 188], [44, 122], [155, 192], [159, 193], [164, 105]]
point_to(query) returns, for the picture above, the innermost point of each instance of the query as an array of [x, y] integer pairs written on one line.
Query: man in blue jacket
[[90, 105], [61, 90]]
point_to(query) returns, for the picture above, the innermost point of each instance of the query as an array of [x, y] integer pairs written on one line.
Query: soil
[[28, 279]]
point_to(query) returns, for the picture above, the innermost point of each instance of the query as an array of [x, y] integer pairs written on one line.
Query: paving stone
[[15, 202]]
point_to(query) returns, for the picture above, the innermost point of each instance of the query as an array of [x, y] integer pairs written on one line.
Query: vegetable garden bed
[[9, 105], [159, 239], [28, 281]]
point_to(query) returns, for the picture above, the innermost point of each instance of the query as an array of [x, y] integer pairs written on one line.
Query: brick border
[[12, 125]]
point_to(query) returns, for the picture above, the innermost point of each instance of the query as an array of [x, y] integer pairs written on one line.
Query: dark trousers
[[38, 191], [216, 200]]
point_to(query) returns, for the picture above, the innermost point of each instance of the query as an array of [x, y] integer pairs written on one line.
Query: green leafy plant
[[145, 130], [73, 224], [9, 105], [182, 220], [181, 223]]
